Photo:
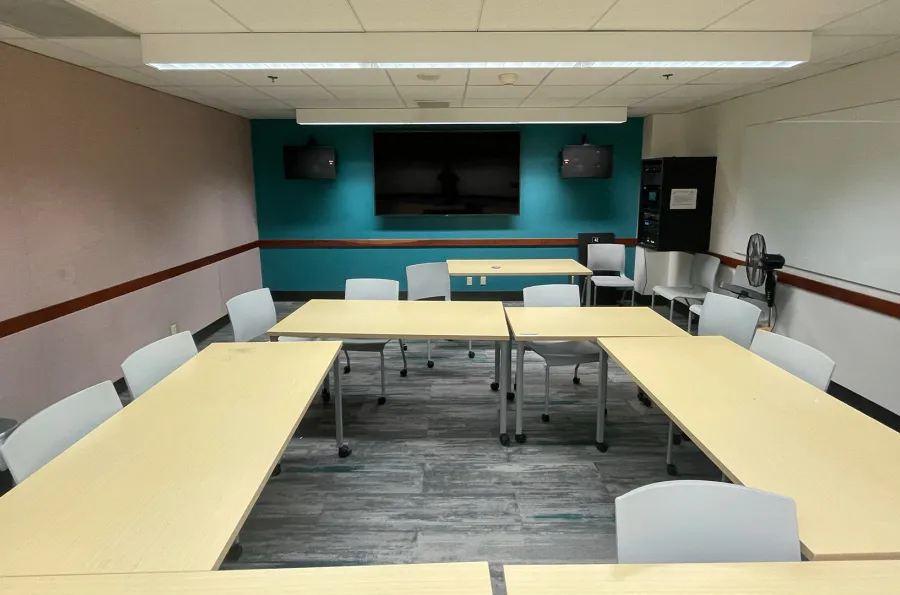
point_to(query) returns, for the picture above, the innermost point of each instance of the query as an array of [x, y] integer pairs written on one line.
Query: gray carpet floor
[[428, 480]]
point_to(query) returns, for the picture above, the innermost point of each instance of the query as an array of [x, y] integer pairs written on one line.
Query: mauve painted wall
[[103, 181]]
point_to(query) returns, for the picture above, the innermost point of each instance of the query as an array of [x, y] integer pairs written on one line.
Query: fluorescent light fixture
[[465, 65], [462, 115]]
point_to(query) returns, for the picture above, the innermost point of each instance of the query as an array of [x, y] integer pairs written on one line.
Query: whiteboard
[[826, 195]]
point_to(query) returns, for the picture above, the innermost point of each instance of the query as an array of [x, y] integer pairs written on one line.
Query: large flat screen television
[[586, 161], [446, 172]]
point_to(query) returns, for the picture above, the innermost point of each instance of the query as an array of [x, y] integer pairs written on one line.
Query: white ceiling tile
[[122, 51], [829, 47], [361, 76], [696, 91], [271, 114], [228, 93], [423, 93], [418, 15], [586, 76], [728, 76], [803, 71], [498, 92], [127, 74], [565, 91], [655, 76], [541, 15], [178, 92], [363, 92], [488, 102], [285, 16], [489, 76], [60, 52], [601, 101], [7, 32], [882, 18], [551, 101], [267, 103], [661, 15], [789, 15], [633, 91], [877, 51], [191, 78], [447, 76], [663, 105], [260, 78], [165, 16], [303, 93], [371, 103]]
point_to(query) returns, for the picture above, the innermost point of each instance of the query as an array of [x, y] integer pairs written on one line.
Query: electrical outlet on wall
[[484, 280], [174, 329], [468, 280]]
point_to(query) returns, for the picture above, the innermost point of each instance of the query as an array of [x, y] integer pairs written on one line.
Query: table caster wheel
[[403, 373], [545, 418], [276, 471], [382, 400], [495, 386], [471, 354], [326, 395], [520, 438], [405, 347], [671, 469], [344, 451], [676, 439], [346, 369], [234, 552], [576, 380], [602, 446], [430, 364], [504, 439], [510, 396]]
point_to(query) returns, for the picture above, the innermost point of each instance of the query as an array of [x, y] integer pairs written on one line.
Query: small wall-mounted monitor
[[310, 162], [586, 161]]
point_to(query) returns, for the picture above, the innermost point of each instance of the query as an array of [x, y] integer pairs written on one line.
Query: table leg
[[495, 385], [520, 389], [510, 394], [602, 386], [503, 346], [343, 449]]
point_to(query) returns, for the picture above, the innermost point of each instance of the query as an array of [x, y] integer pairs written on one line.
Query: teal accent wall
[[345, 208]]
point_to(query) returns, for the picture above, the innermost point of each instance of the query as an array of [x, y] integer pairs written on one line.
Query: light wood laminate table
[[470, 578], [779, 578], [402, 319], [767, 429], [580, 324], [538, 267], [165, 484]]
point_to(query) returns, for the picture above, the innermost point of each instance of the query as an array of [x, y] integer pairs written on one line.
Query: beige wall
[[101, 182], [863, 343]]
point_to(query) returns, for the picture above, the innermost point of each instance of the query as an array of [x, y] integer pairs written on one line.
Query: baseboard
[[864, 405], [203, 334], [462, 296]]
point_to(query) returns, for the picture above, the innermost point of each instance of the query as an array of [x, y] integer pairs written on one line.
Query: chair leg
[[632, 297], [690, 319], [382, 399], [404, 371], [546, 416], [471, 353], [670, 466], [347, 367], [671, 310], [429, 363], [575, 378], [653, 300]]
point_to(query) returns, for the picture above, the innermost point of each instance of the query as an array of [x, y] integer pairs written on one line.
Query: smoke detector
[[508, 78], [428, 76]]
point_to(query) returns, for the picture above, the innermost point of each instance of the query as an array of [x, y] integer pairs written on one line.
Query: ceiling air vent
[[56, 18], [433, 104]]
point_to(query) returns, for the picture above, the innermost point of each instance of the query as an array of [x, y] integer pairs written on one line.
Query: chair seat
[[561, 353], [697, 309], [364, 344], [684, 293], [295, 339], [619, 281]]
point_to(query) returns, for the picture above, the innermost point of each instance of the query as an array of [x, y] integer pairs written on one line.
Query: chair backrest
[[801, 360], [372, 289], [552, 295], [42, 437], [150, 364], [606, 257], [252, 314], [427, 280], [729, 317], [705, 521], [703, 271]]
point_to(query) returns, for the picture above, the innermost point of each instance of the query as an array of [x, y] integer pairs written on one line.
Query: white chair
[[801, 360], [151, 363], [559, 353], [703, 279], [607, 257], [371, 289], [42, 437], [427, 281], [738, 278], [705, 521]]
